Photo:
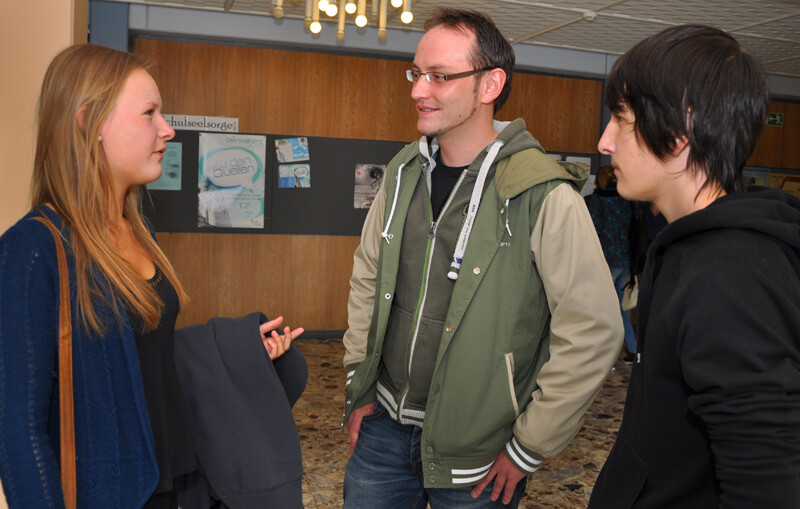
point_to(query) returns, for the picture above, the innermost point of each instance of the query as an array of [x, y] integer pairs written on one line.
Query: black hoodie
[[712, 417]]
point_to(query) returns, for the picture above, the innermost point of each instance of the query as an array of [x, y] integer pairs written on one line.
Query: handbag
[[630, 295], [65, 396]]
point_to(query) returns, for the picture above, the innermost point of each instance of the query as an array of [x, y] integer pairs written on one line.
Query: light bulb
[[406, 17], [397, 3], [350, 7], [382, 33], [278, 12], [323, 4], [361, 21], [315, 27], [332, 10]]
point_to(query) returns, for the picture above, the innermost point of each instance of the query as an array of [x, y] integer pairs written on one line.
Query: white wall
[[31, 33]]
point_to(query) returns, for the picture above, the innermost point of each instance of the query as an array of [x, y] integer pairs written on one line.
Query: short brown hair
[[491, 49]]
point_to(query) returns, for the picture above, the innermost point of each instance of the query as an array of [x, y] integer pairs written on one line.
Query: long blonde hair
[[71, 174]]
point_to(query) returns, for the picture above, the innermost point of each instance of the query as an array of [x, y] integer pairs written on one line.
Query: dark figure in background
[[617, 224], [712, 416]]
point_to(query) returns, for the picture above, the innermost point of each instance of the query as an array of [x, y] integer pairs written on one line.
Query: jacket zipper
[[431, 246]]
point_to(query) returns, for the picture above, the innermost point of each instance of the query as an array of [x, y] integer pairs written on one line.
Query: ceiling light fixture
[[361, 14], [332, 9], [340, 9], [315, 27], [407, 16]]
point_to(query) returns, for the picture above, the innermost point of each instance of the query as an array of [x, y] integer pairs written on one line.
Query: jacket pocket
[[395, 345], [510, 372]]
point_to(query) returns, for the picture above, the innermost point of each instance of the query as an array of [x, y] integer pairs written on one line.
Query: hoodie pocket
[[622, 478]]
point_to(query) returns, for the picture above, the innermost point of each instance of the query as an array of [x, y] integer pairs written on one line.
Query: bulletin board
[[319, 194]]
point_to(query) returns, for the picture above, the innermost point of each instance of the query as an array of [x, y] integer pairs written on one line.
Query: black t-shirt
[[171, 434], [443, 180]]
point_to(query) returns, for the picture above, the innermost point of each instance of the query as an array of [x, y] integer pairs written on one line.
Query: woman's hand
[[275, 343]]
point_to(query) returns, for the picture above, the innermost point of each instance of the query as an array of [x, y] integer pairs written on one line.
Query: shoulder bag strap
[[65, 395]]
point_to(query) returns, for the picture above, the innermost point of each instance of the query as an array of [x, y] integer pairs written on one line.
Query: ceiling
[[770, 29]]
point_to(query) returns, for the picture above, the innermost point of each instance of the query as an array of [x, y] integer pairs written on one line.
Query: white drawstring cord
[[507, 227], [385, 233], [472, 210]]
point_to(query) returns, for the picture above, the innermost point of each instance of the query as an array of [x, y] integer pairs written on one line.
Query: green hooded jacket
[[496, 334]]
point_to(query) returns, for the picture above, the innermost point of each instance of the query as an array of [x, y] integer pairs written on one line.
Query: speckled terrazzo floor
[[562, 482]]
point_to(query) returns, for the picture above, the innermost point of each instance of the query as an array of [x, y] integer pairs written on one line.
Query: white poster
[[230, 186], [368, 180]]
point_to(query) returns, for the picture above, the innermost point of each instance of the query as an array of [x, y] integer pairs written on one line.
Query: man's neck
[[688, 196], [461, 148]]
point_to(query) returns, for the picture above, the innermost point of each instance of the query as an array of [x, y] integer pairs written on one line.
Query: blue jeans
[[385, 472], [621, 276]]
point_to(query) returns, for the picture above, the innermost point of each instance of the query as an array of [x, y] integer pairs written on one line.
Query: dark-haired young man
[[712, 417], [482, 315]]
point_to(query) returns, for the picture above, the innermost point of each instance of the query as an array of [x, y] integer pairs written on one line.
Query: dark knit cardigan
[[116, 465]]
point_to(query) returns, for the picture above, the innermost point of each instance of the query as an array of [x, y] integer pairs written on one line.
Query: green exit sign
[[775, 119]]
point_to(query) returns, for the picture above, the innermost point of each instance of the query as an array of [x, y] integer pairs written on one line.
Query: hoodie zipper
[[430, 248]]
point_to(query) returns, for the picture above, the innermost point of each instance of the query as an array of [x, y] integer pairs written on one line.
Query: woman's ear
[[80, 116]]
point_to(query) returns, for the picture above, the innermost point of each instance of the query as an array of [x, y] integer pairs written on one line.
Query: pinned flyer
[[230, 185], [367, 183], [291, 150]]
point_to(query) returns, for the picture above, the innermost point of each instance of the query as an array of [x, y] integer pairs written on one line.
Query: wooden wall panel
[[562, 113], [284, 92], [306, 278], [791, 136], [769, 148], [314, 94]]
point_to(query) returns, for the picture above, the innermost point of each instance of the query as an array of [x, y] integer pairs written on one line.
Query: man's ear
[[681, 144], [80, 116], [495, 82]]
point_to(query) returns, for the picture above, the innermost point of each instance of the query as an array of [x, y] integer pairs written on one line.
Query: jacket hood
[[515, 138], [514, 159], [768, 211], [512, 137], [523, 163]]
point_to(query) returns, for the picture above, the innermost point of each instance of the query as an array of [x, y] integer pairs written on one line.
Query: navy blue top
[[116, 463]]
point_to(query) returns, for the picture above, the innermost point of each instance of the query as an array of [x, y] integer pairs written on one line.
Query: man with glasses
[[482, 315]]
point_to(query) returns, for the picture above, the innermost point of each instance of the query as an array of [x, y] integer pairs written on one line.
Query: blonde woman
[[101, 135]]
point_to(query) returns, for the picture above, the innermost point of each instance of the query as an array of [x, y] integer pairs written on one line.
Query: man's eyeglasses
[[438, 78]]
